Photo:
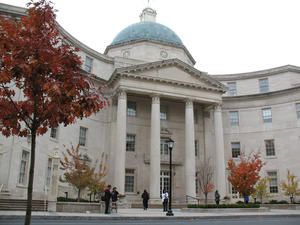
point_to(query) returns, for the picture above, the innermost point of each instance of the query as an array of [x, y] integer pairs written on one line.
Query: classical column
[[220, 158], [53, 192], [189, 162], [155, 149], [120, 150]]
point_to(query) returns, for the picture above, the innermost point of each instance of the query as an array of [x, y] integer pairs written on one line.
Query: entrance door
[[164, 181]]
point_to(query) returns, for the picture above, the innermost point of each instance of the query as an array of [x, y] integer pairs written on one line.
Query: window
[[163, 112], [48, 175], [164, 181], [231, 88], [298, 110], [129, 180], [88, 64], [197, 182], [236, 149], [273, 182], [53, 132], [235, 193], [131, 108], [164, 147], [264, 85], [234, 118], [23, 168], [130, 143], [195, 116], [82, 136], [196, 147], [270, 148], [267, 115]]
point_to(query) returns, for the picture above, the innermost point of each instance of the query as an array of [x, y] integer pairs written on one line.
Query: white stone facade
[[169, 98]]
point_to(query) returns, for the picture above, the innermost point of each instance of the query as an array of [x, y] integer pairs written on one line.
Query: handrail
[[188, 196]]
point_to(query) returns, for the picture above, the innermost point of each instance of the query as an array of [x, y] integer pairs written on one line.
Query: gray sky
[[223, 36]]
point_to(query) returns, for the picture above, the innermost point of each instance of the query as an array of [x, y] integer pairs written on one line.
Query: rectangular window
[[236, 149], [164, 181], [264, 85], [231, 88], [88, 64], [273, 182], [164, 147], [82, 136], [195, 116], [298, 110], [129, 180], [163, 112], [48, 175], [196, 147], [131, 108], [270, 148], [23, 168], [53, 132], [234, 118], [130, 143], [197, 182], [267, 115]]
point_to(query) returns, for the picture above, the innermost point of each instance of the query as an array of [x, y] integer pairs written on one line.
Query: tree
[[97, 184], [38, 65], [78, 172], [204, 176], [261, 189], [291, 187], [244, 176]]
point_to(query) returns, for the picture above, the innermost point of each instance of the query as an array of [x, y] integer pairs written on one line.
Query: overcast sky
[[223, 36]]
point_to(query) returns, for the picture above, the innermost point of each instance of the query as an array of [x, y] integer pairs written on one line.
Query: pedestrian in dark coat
[[217, 197], [114, 195], [145, 197], [107, 196]]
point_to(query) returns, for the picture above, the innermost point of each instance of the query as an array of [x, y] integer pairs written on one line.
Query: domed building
[[157, 94]]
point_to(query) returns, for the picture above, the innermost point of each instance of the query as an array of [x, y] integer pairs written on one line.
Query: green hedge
[[63, 199], [210, 206]]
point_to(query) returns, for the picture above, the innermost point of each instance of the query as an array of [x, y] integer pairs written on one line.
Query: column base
[[51, 206]]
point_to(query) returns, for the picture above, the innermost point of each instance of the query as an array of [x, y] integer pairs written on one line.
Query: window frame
[[273, 189], [49, 172], [235, 152], [163, 112], [164, 147], [267, 117], [129, 176], [270, 147], [23, 173], [131, 111], [264, 85], [234, 121], [196, 148], [81, 138], [56, 133], [130, 147], [232, 91], [88, 67], [298, 110]]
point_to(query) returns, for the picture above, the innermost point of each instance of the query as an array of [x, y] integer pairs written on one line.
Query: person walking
[[217, 197], [107, 196], [165, 199], [145, 197], [114, 199]]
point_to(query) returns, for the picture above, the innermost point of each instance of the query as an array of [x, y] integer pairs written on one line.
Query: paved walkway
[[153, 214]]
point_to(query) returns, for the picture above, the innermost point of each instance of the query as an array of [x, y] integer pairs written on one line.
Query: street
[[237, 221]]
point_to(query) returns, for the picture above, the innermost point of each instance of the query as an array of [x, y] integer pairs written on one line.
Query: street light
[[170, 145]]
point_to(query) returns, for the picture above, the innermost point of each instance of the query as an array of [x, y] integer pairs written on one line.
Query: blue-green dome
[[147, 30]]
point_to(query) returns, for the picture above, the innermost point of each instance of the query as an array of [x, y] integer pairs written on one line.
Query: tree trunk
[[30, 179], [78, 197]]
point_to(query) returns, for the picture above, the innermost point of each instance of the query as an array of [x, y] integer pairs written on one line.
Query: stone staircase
[[20, 205]]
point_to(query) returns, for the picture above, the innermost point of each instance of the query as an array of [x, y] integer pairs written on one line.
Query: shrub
[[64, 199], [249, 205]]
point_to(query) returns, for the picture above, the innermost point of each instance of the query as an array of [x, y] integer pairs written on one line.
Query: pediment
[[171, 71]]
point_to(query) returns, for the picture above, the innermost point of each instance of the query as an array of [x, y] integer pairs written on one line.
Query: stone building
[[156, 93]]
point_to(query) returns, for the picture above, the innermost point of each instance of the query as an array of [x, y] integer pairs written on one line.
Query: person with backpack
[[114, 199], [145, 197], [107, 196]]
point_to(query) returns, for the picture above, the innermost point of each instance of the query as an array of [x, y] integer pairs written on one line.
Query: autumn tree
[[244, 174], [290, 187], [204, 177], [78, 172], [261, 189], [41, 81], [97, 183]]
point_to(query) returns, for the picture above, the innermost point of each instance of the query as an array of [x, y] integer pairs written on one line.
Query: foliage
[[274, 201], [96, 185], [41, 81], [204, 176], [77, 171], [290, 187], [64, 199], [244, 175], [249, 205], [261, 189]]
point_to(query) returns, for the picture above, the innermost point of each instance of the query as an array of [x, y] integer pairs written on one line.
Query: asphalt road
[[238, 221]]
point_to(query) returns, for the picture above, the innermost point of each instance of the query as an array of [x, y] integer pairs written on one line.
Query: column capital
[[218, 107], [121, 93], [155, 99], [189, 102]]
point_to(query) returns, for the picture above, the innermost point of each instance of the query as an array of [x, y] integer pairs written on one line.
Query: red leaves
[[244, 175]]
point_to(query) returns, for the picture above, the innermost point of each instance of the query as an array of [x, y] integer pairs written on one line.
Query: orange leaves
[[245, 174]]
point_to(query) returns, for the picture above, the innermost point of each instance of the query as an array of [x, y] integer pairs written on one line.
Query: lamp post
[[170, 145]]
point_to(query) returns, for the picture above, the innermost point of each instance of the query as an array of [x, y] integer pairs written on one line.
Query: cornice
[[257, 74], [260, 95], [12, 10], [155, 42], [130, 71]]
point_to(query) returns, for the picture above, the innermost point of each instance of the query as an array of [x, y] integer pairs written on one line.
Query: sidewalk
[[150, 214]]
